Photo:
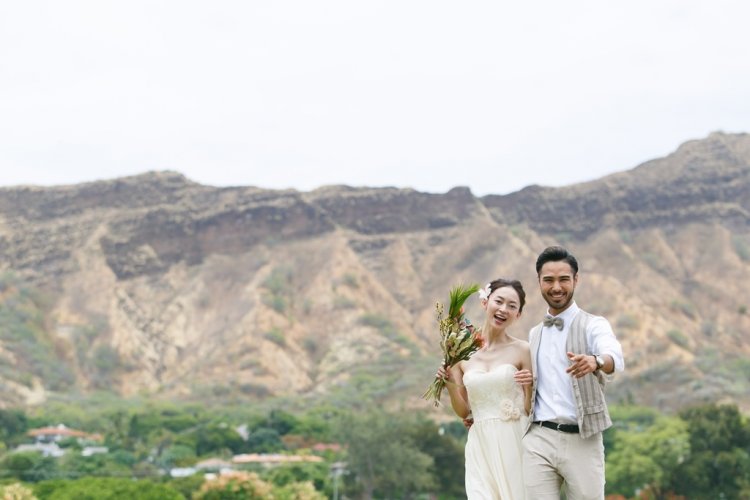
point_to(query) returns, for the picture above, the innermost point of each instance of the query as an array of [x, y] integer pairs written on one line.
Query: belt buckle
[[558, 426]]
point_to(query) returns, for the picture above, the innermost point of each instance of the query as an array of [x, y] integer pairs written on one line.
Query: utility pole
[[337, 470]]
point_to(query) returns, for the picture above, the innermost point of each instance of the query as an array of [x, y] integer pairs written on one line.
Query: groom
[[573, 353]]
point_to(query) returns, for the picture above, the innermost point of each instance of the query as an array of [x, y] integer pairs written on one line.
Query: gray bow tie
[[551, 320]]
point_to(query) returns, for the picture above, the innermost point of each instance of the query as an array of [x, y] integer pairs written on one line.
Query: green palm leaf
[[458, 296]]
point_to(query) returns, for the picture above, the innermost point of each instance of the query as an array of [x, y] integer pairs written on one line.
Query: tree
[[216, 437], [719, 463], [317, 474], [207, 438], [28, 466], [298, 491], [75, 465], [104, 488], [646, 458], [313, 425], [177, 455], [281, 421], [16, 491], [187, 486], [383, 456], [235, 486], [447, 454], [264, 440], [13, 426]]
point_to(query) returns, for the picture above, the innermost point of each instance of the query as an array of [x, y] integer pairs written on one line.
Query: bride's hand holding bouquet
[[458, 338]]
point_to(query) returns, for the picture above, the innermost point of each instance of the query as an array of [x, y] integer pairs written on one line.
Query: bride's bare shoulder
[[519, 342]]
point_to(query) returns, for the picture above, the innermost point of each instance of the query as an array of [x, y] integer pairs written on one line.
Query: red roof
[[273, 458], [61, 430], [326, 446]]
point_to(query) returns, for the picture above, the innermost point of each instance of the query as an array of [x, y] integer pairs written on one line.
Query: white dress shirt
[[554, 394]]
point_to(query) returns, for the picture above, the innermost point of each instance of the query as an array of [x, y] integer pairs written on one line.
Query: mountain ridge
[[194, 291]]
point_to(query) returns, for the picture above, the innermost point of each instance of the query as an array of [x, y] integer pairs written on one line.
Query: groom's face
[[557, 283]]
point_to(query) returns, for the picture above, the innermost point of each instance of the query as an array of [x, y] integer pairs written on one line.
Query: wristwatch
[[599, 361]]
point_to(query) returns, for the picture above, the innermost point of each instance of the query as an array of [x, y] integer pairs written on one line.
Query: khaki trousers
[[552, 457]]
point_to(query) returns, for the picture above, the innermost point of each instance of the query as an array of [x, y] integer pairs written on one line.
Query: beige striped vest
[[591, 409]]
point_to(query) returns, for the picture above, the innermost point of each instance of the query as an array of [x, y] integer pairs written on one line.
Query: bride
[[483, 388]]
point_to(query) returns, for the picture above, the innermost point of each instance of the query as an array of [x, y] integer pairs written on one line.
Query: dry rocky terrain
[[156, 285]]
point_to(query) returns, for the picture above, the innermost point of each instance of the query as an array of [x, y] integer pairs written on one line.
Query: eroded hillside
[[154, 284]]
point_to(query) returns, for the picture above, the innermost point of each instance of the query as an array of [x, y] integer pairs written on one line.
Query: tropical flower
[[458, 337]]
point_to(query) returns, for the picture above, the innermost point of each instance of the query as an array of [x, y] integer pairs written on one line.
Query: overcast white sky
[[427, 94]]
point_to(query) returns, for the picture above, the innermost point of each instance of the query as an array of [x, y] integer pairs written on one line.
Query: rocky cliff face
[[155, 284], [704, 181]]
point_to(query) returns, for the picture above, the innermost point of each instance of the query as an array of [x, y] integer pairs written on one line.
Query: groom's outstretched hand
[[581, 364]]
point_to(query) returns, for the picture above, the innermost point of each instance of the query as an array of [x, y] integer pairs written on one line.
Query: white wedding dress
[[493, 450]]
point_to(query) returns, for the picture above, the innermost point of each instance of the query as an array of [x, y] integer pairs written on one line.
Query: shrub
[[679, 338], [684, 308], [299, 491], [340, 302], [386, 328], [275, 302], [310, 344], [235, 485], [105, 488], [741, 248], [16, 491], [280, 289], [627, 321], [276, 335], [708, 329], [350, 280]]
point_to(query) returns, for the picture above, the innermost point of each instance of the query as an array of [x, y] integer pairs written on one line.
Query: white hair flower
[[484, 293]]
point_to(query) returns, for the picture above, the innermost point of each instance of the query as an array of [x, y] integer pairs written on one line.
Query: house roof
[[62, 430], [213, 463], [274, 458], [326, 446]]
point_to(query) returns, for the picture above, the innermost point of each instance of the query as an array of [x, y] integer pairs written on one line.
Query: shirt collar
[[568, 314]]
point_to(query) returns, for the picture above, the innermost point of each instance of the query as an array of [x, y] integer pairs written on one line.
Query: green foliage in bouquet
[[458, 296], [458, 339]]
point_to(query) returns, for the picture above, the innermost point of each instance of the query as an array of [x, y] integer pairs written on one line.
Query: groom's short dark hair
[[556, 254]]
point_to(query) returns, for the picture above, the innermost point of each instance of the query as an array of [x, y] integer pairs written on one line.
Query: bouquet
[[458, 338]]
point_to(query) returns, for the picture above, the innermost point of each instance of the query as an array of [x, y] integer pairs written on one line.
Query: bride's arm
[[457, 391]]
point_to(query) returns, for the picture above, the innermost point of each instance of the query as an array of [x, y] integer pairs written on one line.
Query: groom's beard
[[559, 304]]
